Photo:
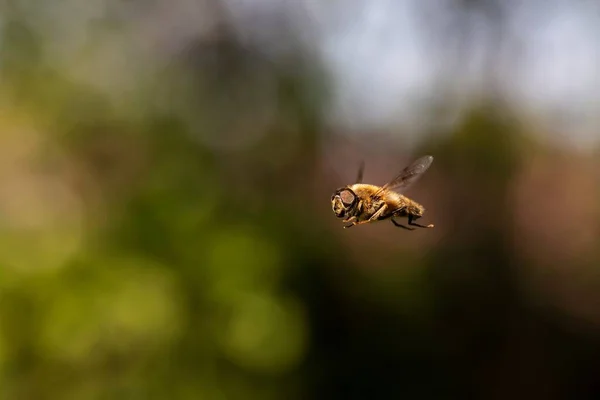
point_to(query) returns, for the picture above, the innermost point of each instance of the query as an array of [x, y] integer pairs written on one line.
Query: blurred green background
[[166, 230]]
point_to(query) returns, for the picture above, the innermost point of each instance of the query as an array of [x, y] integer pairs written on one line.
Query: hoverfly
[[361, 203]]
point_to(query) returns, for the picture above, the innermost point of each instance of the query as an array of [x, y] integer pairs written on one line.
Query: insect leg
[[411, 222], [352, 221], [373, 218], [377, 214], [400, 225]]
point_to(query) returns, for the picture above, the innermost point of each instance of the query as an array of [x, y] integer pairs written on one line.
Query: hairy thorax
[[395, 203]]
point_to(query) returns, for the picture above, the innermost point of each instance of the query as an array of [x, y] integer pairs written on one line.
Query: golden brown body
[[361, 203]]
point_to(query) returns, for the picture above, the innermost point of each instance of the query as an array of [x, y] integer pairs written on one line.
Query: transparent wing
[[361, 170], [408, 176]]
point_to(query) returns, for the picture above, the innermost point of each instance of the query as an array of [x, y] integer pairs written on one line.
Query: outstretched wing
[[408, 176], [361, 170]]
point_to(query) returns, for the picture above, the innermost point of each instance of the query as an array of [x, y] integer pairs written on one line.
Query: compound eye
[[347, 197]]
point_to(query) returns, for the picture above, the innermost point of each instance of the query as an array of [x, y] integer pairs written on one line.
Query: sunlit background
[[166, 170]]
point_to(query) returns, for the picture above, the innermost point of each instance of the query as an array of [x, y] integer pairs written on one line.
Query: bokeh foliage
[[175, 240]]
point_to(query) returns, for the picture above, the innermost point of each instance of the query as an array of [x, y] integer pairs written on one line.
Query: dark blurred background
[[166, 170]]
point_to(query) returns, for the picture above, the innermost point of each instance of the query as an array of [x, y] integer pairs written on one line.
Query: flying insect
[[361, 203]]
